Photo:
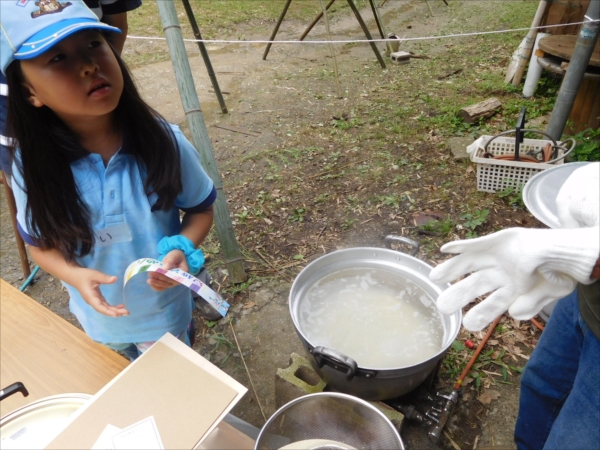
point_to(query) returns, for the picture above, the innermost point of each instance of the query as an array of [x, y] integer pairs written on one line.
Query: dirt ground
[[306, 173]]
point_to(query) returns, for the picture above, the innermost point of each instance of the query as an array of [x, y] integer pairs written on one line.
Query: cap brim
[[50, 36]]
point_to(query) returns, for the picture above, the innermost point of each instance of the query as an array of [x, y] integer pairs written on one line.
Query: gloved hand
[[578, 202], [525, 269]]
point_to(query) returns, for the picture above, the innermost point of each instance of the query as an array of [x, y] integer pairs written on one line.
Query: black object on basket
[[519, 132]]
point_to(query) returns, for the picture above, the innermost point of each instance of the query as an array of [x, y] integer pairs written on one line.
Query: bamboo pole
[[525, 54], [195, 119], [331, 49]]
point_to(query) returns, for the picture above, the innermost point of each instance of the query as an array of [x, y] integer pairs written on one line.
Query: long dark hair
[[59, 218]]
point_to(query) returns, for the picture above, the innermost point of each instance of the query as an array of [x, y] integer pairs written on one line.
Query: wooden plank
[[46, 353]]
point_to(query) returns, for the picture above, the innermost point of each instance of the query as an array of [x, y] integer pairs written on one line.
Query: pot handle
[[13, 389], [334, 359], [393, 238]]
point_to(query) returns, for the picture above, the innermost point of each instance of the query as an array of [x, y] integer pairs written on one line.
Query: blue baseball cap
[[30, 28]]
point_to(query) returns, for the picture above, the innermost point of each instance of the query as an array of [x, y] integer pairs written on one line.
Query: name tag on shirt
[[113, 235]]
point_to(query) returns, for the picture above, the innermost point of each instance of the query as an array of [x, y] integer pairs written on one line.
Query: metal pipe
[[367, 33], [441, 418], [377, 19], [202, 47], [314, 22], [274, 33], [588, 36], [381, 25]]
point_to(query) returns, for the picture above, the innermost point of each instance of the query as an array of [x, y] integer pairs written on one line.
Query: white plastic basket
[[496, 175]]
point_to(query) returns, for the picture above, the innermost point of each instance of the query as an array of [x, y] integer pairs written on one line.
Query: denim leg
[[578, 423], [131, 352], [552, 376]]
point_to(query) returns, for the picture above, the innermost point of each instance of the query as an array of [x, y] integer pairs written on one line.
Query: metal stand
[[202, 47], [314, 22]]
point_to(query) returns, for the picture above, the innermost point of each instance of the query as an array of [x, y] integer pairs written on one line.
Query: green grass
[[217, 18]]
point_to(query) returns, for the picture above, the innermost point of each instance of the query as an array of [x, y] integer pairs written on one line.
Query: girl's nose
[[89, 67]]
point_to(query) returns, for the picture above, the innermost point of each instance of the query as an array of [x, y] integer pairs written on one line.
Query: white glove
[[577, 201], [524, 268]]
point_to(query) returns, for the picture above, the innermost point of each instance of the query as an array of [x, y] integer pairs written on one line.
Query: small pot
[[340, 371]]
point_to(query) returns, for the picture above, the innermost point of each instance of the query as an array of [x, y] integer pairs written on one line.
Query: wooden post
[[195, 119], [12, 210]]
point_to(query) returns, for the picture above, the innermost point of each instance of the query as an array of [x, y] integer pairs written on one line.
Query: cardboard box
[[171, 386]]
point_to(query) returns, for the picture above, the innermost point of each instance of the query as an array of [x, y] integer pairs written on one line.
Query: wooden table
[[50, 357], [46, 353], [563, 46]]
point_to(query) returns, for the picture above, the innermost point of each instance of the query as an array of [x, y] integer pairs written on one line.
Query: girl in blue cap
[[99, 177]]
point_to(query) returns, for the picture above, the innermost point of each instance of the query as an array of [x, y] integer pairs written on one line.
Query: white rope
[[354, 41]]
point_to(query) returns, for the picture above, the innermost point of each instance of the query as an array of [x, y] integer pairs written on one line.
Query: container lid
[[540, 192], [35, 425]]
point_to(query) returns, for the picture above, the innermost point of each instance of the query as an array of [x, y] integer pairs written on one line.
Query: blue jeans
[[132, 351], [560, 387]]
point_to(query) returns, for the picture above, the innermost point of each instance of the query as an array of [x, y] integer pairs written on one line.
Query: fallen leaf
[[470, 169], [493, 342], [268, 222], [514, 349], [487, 396], [422, 217], [249, 305], [495, 354]]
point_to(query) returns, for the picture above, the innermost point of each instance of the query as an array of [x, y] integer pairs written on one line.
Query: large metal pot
[[340, 371]]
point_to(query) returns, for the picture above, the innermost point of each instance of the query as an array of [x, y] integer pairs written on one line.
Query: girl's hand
[[175, 259], [89, 288]]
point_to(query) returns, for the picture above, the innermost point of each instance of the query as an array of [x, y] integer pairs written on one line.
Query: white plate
[[539, 193]]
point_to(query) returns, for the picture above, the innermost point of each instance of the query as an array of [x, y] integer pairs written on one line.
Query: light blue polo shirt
[[119, 207]]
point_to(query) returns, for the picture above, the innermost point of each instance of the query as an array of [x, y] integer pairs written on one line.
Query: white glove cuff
[[573, 252]]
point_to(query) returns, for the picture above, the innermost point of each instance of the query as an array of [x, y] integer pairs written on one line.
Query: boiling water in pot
[[375, 317]]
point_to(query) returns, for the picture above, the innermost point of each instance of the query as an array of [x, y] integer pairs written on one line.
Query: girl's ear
[[29, 92]]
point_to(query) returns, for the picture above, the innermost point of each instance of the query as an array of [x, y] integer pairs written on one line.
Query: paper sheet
[[193, 283]]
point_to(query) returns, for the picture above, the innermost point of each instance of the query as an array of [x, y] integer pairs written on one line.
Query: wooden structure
[[359, 18], [554, 54], [568, 11], [562, 46]]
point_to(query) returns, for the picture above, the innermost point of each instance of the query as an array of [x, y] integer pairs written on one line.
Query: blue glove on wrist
[[194, 256]]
